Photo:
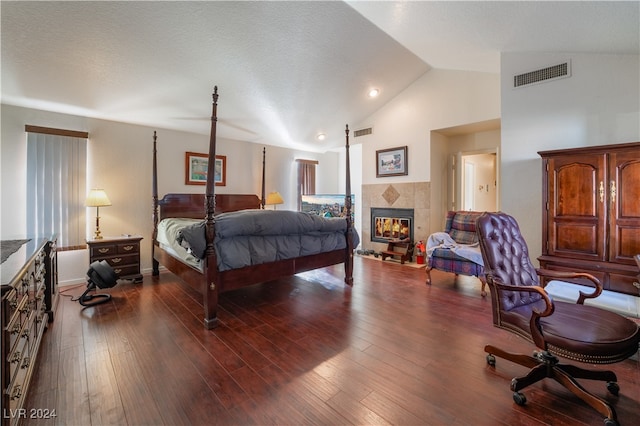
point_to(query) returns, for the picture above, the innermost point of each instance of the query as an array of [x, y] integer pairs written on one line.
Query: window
[[306, 179], [56, 184]]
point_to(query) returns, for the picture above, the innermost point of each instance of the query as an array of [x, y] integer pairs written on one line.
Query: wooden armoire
[[591, 213]]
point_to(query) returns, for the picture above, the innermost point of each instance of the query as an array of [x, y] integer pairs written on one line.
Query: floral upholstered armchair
[[456, 249]]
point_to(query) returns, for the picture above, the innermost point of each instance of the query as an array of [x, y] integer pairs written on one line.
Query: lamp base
[[97, 235]]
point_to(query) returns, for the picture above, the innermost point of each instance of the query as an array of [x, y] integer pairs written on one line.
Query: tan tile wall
[[412, 195]]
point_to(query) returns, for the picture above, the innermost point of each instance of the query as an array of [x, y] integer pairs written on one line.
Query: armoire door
[[577, 204], [624, 206]]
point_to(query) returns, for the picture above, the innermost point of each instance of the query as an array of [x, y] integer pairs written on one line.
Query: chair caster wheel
[[614, 388], [610, 422], [519, 398], [491, 360]]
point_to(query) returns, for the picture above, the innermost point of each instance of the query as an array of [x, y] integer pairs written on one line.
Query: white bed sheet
[[167, 238]]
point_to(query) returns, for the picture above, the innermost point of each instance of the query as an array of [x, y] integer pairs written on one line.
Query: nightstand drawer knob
[[127, 248], [103, 250], [116, 260]]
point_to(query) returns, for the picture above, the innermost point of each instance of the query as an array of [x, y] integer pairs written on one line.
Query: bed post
[[348, 263], [210, 293], [263, 199], [154, 189]]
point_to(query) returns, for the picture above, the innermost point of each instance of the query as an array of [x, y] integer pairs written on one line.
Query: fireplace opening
[[391, 224]]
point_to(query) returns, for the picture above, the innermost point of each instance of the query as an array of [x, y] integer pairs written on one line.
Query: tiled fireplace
[[414, 196], [391, 224]]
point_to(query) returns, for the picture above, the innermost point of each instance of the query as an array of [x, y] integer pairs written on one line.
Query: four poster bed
[[239, 243]]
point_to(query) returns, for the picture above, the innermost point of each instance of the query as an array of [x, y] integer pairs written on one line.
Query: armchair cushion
[[462, 226], [452, 254]]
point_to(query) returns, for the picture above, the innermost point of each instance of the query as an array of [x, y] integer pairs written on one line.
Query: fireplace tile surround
[[410, 195]]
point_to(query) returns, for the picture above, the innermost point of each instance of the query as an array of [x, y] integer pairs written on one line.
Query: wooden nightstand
[[122, 253]]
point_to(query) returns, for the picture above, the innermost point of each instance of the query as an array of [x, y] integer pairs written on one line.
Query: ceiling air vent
[[550, 73], [362, 132]]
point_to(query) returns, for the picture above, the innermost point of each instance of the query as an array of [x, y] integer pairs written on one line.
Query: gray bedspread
[[251, 237]]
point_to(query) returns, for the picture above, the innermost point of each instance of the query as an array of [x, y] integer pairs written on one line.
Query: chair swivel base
[[546, 365]]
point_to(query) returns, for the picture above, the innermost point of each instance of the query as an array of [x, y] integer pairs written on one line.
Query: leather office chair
[[574, 331]]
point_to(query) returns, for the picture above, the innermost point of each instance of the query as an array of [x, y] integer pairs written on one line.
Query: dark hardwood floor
[[301, 350]]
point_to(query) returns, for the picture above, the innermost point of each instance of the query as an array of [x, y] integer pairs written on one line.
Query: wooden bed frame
[[209, 281]]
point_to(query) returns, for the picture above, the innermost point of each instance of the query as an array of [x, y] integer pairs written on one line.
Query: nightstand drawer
[[123, 259], [126, 270], [103, 250], [129, 248]]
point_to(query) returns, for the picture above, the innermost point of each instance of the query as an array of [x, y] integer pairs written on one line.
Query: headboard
[[192, 205]]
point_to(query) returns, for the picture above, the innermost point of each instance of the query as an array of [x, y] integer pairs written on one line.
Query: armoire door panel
[[624, 193], [576, 240], [575, 185], [627, 243], [576, 203]]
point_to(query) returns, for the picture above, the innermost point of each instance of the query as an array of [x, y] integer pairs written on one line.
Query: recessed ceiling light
[[321, 136], [373, 93]]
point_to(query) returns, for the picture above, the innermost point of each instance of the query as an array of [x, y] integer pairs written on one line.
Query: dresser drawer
[[17, 321], [19, 356]]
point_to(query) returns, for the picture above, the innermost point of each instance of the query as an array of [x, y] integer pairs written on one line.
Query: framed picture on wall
[[196, 167], [391, 162]]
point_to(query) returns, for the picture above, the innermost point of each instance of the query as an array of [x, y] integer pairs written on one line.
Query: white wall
[[598, 105], [120, 162], [437, 100]]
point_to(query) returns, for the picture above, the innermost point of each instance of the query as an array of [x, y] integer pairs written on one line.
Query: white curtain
[[56, 187]]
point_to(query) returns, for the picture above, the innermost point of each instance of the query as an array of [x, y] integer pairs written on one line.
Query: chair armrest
[[564, 275], [534, 321]]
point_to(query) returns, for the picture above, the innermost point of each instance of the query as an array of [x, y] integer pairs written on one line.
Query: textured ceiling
[[286, 71]]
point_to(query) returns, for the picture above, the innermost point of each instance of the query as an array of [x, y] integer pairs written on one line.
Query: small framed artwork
[[391, 162], [196, 167]]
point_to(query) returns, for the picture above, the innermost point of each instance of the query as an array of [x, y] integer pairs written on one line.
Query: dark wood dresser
[[29, 299], [122, 253], [591, 213]]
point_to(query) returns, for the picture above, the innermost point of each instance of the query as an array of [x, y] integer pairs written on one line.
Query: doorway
[[478, 187], [479, 144]]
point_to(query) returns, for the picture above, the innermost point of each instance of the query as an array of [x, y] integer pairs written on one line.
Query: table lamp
[[97, 198], [274, 198]]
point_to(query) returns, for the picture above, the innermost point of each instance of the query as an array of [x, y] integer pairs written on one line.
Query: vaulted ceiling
[[286, 71]]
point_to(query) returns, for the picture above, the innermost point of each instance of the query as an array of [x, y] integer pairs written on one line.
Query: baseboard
[[72, 282]]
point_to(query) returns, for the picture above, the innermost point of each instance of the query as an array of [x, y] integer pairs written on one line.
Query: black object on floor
[[101, 275]]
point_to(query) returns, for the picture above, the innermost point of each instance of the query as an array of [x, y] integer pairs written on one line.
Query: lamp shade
[[274, 198], [97, 198]]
